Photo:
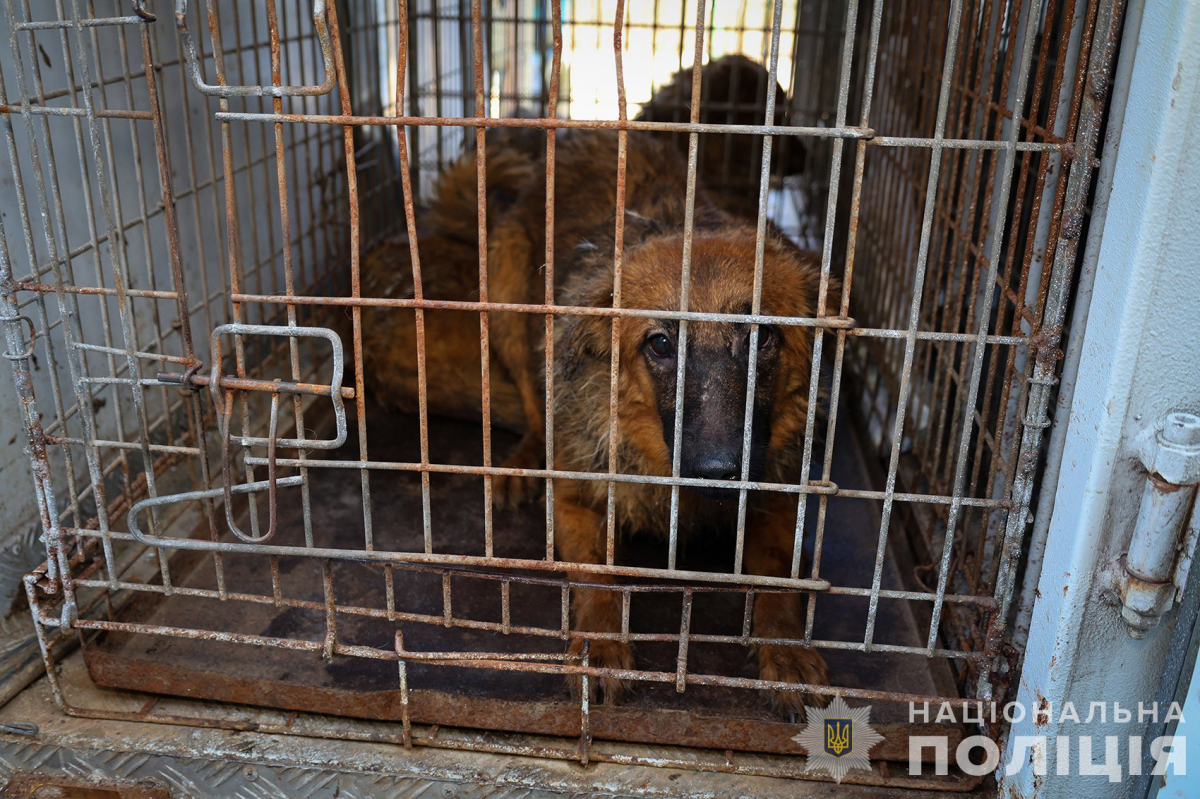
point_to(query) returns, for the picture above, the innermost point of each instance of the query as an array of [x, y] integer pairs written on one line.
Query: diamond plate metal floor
[[195, 762]]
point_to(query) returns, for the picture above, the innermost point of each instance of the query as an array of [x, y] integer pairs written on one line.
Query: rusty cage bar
[[218, 172]]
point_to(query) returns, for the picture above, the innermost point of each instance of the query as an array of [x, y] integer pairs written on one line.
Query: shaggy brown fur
[[449, 257], [722, 279]]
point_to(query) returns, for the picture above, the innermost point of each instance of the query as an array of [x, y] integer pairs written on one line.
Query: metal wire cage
[[183, 307]]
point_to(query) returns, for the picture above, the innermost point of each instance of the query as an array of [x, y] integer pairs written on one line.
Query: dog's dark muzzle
[[714, 412]]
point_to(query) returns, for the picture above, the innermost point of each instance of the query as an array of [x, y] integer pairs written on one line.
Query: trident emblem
[[838, 736]]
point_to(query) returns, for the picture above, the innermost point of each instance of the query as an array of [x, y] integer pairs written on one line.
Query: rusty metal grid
[[967, 412], [951, 228]]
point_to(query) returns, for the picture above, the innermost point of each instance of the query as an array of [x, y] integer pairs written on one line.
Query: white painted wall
[[1140, 360]]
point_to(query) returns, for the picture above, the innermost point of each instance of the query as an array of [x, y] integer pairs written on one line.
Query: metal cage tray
[[304, 681]]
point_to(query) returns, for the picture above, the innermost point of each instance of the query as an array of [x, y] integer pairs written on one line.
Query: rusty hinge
[[1163, 543]]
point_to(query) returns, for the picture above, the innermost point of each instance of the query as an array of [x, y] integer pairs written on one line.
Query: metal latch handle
[[227, 469], [223, 390], [193, 62]]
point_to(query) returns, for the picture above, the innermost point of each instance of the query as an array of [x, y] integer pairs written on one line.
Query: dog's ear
[[833, 293], [638, 227], [580, 340], [806, 278]]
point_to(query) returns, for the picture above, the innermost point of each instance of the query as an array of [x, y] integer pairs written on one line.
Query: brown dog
[[715, 385], [733, 91]]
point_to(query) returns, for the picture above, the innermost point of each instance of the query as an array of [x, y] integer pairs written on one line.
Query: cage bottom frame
[[588, 720]]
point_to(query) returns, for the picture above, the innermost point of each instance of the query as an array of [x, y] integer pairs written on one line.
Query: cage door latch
[[224, 389], [1164, 536], [192, 59]]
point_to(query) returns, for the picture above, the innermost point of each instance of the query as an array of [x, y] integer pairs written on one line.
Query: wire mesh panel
[[264, 248], [983, 227]]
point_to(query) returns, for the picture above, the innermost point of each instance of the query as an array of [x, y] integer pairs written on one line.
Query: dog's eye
[[768, 337], [660, 345]]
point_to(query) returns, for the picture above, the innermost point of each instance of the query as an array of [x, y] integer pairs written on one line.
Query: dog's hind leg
[[453, 384], [453, 387]]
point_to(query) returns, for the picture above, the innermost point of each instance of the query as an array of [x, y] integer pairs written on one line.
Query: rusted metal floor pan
[[703, 716]]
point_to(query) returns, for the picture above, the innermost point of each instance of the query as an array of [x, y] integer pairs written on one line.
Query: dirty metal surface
[[204, 762], [28, 785], [706, 716]]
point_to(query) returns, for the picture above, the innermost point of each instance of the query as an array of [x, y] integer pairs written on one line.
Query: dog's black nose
[[718, 467]]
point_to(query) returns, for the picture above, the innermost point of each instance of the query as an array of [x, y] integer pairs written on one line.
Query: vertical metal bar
[[202, 480], [289, 278], [402, 667], [1028, 299], [23, 384], [539, 47], [276, 584], [748, 617], [327, 596], [68, 309], [626, 597], [193, 181], [414, 96], [356, 291], [484, 316], [418, 289], [548, 296], [1041, 383], [827, 254], [685, 628], [1083, 293], [435, 17], [760, 243], [73, 494], [910, 340], [1010, 159], [506, 605], [232, 229], [466, 52], [685, 276], [195, 409], [252, 266], [517, 44], [109, 203], [618, 254], [564, 611], [585, 699], [122, 457], [574, 31], [352, 184], [157, 326], [389, 591], [844, 310], [947, 371]]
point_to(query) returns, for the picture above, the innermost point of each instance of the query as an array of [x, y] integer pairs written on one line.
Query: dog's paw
[[602, 655], [793, 664], [513, 491]]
